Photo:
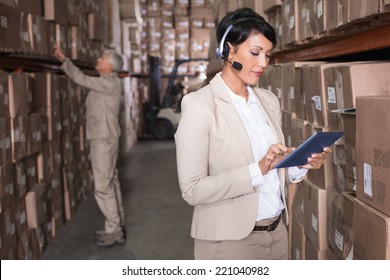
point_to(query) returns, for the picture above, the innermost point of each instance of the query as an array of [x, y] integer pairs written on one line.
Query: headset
[[220, 49]]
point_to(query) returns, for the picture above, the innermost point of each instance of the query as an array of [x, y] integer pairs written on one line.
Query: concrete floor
[[157, 218]]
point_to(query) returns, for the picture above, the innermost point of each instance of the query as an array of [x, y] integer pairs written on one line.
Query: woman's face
[[254, 54]]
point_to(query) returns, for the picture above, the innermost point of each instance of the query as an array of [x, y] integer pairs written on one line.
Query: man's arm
[[74, 73]]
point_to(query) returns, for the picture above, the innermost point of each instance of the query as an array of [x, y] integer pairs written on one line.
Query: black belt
[[270, 227]]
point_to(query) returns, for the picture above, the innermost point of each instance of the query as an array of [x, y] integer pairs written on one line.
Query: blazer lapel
[[224, 104]]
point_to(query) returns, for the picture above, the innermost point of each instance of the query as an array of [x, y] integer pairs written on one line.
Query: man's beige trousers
[[104, 154]]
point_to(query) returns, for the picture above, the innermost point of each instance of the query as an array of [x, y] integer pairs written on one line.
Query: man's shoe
[[110, 239], [100, 233]]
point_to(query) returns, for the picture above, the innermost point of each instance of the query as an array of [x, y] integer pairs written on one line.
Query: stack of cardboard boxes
[[324, 222], [336, 209], [45, 171]]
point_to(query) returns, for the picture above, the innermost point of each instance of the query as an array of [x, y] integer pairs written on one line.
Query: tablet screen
[[313, 145]]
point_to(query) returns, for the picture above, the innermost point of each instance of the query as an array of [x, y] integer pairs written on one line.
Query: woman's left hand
[[317, 160]]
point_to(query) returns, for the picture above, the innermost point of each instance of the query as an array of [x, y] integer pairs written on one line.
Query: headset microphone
[[237, 65]]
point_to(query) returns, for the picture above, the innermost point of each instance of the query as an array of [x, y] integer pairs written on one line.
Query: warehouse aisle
[[157, 218]]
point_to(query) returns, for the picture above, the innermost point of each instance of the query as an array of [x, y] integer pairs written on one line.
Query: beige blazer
[[213, 153], [103, 102]]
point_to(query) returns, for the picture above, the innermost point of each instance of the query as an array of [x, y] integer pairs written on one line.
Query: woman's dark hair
[[245, 21]]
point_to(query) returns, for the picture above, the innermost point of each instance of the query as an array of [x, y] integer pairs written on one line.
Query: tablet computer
[[313, 145]]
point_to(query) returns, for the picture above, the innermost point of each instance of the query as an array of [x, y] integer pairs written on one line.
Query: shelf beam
[[373, 39], [36, 63]]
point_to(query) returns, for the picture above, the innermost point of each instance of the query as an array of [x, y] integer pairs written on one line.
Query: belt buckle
[[271, 227]]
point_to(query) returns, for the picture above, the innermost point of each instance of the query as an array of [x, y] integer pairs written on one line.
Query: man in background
[[103, 132]]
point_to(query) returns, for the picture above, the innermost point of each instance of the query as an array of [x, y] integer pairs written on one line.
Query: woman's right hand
[[276, 153]]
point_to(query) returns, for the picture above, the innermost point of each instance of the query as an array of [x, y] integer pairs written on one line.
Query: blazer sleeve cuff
[[257, 178]]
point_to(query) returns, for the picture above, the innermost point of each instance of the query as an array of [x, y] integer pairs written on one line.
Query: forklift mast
[[172, 78], [156, 125]]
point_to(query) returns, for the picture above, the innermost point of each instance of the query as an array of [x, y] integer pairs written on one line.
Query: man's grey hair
[[115, 59]]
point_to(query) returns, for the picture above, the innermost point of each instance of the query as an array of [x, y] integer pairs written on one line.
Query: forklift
[[162, 118]]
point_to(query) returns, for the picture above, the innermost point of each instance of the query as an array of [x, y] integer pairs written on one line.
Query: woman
[[228, 142]]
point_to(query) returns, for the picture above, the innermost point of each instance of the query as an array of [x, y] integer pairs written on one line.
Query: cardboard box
[[18, 94], [2, 139], [360, 9], [339, 169], [349, 125], [199, 42], [298, 240], [270, 5], [53, 123], [46, 91], [305, 31], [43, 164], [313, 253], [20, 216], [276, 82], [288, 89], [299, 94], [5, 141], [25, 246], [25, 40], [286, 127], [306, 85], [36, 207], [78, 46], [316, 94], [20, 183], [10, 3], [290, 21], [58, 217], [361, 79], [4, 97], [275, 19], [7, 189], [298, 203], [37, 33], [373, 151], [297, 128], [51, 36], [202, 17], [56, 10], [55, 155], [29, 6], [336, 11], [315, 215], [38, 242], [131, 10], [370, 233], [334, 119], [34, 134], [19, 137], [318, 16], [8, 234], [10, 21], [348, 205], [31, 171], [323, 177], [60, 38], [96, 27], [335, 223]]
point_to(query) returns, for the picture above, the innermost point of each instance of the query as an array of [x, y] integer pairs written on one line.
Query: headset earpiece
[[220, 50]]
